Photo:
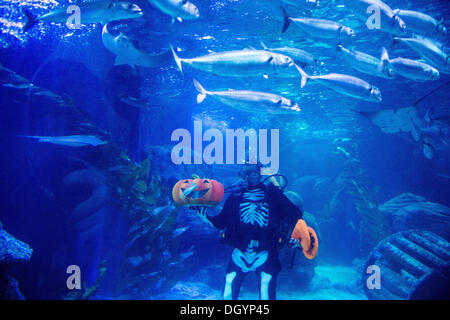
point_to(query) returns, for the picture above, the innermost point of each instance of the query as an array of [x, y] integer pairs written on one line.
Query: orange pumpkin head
[[200, 192]]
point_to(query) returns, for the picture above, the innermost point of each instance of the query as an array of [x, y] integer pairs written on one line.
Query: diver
[[255, 221]]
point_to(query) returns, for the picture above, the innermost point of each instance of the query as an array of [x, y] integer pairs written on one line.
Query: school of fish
[[417, 31]]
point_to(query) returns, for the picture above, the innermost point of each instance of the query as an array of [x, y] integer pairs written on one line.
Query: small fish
[[179, 231], [189, 252], [158, 210], [389, 21], [339, 140], [239, 63], [345, 84], [407, 68], [250, 101], [428, 149], [126, 52], [421, 23], [343, 151], [320, 28], [71, 141], [91, 12], [429, 50], [177, 9], [363, 62]]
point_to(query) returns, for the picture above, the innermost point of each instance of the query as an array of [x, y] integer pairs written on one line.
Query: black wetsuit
[[256, 222]]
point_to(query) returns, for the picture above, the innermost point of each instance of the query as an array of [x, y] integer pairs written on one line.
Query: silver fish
[[250, 101], [300, 57], [429, 150], [302, 3], [177, 9], [389, 21], [320, 28], [71, 141], [407, 68], [421, 23], [91, 12], [363, 62], [429, 50], [126, 52], [179, 231], [239, 63], [345, 84]]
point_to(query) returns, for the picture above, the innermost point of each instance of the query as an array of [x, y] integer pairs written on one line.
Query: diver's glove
[[306, 238], [201, 211]]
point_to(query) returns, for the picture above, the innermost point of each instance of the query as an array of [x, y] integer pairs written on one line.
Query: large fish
[[320, 28], [126, 52], [301, 57], [250, 101], [70, 141], [239, 63], [421, 23], [91, 12], [177, 9], [410, 69], [363, 62], [429, 50], [345, 84], [389, 21]]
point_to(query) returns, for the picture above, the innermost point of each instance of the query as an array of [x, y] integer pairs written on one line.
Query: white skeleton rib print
[[254, 210]]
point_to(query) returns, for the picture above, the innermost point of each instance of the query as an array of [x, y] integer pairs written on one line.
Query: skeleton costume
[[254, 221]]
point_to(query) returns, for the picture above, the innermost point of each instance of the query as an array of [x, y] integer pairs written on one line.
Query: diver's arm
[[219, 221], [288, 209]]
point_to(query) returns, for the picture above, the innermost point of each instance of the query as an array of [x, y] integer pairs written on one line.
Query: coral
[[408, 211], [12, 253]]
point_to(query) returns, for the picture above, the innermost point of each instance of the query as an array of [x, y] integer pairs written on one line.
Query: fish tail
[[286, 20], [201, 91], [177, 59], [384, 60], [30, 20], [304, 76]]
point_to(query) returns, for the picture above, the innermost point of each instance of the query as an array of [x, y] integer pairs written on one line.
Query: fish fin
[[30, 20], [304, 76], [201, 97], [264, 46], [266, 76], [384, 63], [179, 19], [269, 60], [201, 91], [172, 21], [286, 20], [177, 59]]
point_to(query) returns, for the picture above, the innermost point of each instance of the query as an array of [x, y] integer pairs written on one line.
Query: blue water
[[336, 159]]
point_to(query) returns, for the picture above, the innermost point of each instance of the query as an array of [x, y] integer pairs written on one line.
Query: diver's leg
[[268, 274], [233, 282], [265, 280]]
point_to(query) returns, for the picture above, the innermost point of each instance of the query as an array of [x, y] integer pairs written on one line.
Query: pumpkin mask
[[197, 192]]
